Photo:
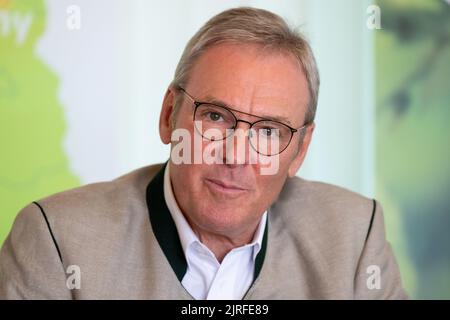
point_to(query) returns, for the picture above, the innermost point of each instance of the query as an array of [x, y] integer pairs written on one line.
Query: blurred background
[[81, 86]]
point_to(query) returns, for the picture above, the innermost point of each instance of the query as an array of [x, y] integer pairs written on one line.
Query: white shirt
[[205, 277]]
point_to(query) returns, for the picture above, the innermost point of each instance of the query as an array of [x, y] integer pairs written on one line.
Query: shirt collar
[[185, 232]]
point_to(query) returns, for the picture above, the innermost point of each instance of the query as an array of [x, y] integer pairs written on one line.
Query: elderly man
[[225, 217]]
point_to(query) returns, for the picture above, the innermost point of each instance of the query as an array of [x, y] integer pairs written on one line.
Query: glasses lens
[[269, 137], [213, 122]]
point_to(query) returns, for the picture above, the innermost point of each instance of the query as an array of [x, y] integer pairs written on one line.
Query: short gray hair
[[252, 26]]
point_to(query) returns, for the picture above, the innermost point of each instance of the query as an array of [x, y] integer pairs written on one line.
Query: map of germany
[[32, 121]]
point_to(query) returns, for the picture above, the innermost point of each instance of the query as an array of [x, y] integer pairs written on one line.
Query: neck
[[221, 244]]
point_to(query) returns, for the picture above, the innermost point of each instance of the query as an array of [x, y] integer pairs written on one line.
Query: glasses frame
[[237, 120]]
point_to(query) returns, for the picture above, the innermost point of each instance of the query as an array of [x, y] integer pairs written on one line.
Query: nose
[[237, 147]]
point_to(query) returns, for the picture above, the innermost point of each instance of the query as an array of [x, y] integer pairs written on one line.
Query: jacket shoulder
[[322, 194], [334, 213], [101, 195], [88, 227], [98, 210]]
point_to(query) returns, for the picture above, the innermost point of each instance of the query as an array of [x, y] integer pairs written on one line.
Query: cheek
[[187, 186], [268, 189], [187, 177], [274, 168], [270, 185], [289, 159]]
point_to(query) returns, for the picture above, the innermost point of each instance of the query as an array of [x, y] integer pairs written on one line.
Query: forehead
[[252, 80]]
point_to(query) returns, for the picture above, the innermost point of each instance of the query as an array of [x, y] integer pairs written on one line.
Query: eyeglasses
[[214, 122]]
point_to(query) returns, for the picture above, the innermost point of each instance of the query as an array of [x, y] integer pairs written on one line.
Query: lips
[[225, 186]]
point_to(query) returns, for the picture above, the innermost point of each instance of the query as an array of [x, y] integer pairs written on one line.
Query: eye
[[269, 132], [214, 116]]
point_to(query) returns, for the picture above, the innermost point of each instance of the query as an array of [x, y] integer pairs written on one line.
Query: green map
[[32, 123]]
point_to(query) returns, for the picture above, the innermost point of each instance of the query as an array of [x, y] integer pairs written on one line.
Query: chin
[[223, 220]]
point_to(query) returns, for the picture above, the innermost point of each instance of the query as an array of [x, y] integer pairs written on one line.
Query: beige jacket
[[118, 239]]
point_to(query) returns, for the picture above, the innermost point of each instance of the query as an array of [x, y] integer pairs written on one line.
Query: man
[[225, 217]]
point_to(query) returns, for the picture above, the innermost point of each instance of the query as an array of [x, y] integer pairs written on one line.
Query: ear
[[165, 118], [298, 160]]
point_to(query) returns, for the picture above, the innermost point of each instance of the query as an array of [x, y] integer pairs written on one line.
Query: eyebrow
[[212, 100]]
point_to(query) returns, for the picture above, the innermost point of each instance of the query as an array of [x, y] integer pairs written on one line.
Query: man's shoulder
[[88, 227], [325, 209], [320, 194], [100, 199]]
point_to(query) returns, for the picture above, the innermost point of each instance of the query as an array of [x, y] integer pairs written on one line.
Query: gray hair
[[252, 26]]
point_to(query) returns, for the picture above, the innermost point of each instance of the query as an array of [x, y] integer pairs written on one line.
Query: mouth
[[225, 187]]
